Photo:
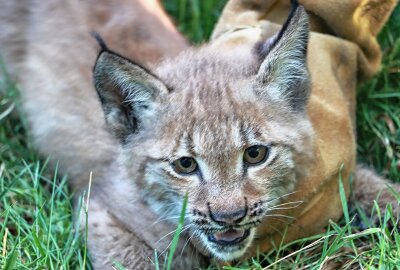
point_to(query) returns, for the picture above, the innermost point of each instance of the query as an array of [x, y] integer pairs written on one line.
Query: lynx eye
[[185, 165], [255, 154]]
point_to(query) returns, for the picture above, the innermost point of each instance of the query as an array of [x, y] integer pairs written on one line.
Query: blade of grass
[[87, 221], [177, 234], [11, 260]]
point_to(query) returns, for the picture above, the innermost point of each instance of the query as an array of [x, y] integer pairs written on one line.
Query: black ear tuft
[[263, 48], [100, 41]]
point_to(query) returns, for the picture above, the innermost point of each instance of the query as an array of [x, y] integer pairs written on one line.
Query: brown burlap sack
[[342, 49]]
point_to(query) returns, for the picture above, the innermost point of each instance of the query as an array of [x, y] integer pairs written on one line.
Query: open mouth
[[230, 237]]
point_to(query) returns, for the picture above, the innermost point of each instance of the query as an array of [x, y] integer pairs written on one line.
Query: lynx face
[[228, 128]]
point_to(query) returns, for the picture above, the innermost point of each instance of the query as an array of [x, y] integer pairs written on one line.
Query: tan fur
[[209, 103]]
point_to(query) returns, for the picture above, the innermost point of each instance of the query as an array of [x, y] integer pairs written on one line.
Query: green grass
[[36, 228]]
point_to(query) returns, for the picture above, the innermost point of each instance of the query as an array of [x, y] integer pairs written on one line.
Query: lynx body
[[255, 127]]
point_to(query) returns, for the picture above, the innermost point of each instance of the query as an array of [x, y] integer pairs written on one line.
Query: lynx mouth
[[229, 244], [230, 237]]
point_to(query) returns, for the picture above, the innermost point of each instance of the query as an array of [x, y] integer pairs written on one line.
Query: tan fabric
[[342, 46]]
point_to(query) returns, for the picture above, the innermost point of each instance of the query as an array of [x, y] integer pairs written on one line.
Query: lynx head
[[228, 128]]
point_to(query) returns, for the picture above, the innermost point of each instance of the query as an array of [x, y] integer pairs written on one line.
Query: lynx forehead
[[227, 128]]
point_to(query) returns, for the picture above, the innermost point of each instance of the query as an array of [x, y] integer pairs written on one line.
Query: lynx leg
[[368, 187], [114, 243]]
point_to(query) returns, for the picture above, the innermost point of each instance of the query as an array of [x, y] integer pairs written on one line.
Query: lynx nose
[[227, 218]]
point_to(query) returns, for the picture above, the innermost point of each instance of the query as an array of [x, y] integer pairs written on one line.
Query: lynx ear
[[128, 93], [283, 74]]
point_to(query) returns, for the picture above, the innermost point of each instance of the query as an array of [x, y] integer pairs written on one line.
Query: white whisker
[[279, 215], [183, 229], [170, 243], [279, 206], [187, 242], [163, 218], [288, 203], [282, 196]]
